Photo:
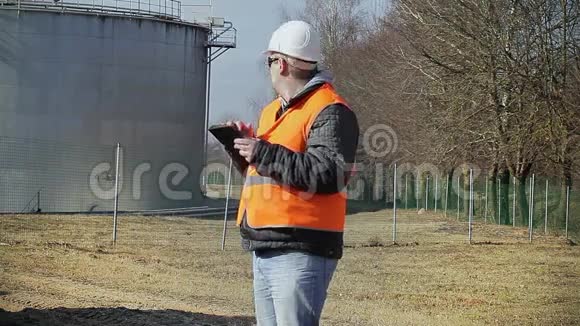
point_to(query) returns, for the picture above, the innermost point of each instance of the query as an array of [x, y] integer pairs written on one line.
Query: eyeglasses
[[270, 61]]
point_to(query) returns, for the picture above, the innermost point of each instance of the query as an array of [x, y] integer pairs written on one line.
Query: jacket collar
[[321, 78]]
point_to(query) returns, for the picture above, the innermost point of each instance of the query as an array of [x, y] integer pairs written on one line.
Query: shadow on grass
[[115, 316], [363, 206], [352, 207]]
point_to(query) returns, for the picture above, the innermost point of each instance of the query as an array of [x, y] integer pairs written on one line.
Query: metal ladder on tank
[[222, 37]]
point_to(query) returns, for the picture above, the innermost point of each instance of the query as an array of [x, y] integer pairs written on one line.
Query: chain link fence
[[38, 176], [434, 206], [52, 179]]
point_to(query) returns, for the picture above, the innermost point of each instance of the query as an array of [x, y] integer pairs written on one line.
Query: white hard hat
[[296, 39]]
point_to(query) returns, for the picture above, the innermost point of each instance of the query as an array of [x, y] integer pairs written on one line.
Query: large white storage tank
[[76, 80]]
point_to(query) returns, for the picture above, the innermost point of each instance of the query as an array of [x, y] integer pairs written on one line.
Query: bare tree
[[341, 24], [489, 82], [492, 70]]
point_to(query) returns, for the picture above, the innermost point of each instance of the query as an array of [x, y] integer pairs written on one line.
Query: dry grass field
[[63, 270]]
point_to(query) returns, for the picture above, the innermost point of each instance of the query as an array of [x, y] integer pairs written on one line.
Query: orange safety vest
[[267, 203]]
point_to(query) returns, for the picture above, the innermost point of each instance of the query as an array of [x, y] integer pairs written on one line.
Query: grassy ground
[[170, 271]]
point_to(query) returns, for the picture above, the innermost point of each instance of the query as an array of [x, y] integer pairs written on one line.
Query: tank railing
[[225, 36], [196, 13], [165, 9]]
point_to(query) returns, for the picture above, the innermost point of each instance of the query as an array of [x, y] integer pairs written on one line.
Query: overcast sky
[[239, 75]]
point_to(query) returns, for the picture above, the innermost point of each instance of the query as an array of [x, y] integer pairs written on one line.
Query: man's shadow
[[115, 316]]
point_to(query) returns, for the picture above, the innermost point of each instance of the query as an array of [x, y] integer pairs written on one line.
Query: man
[[293, 204]]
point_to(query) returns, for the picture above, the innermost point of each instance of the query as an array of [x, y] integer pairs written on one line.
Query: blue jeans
[[290, 287]]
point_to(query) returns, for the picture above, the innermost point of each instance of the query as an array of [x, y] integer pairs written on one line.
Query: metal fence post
[[38, 202], [458, 180], [531, 215], [529, 203], [470, 205], [485, 212], [498, 201], [567, 209], [446, 193], [227, 206], [395, 205], [546, 210], [116, 205], [427, 194], [417, 191], [514, 204], [436, 191], [406, 188]]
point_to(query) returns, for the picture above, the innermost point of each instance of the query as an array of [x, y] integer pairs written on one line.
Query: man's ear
[[284, 67]]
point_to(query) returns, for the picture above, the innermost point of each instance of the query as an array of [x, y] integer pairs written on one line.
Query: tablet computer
[[226, 134]]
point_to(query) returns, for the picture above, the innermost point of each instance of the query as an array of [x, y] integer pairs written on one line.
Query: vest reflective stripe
[[253, 180], [267, 203]]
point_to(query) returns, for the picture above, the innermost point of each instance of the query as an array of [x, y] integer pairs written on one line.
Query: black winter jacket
[[330, 150]]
